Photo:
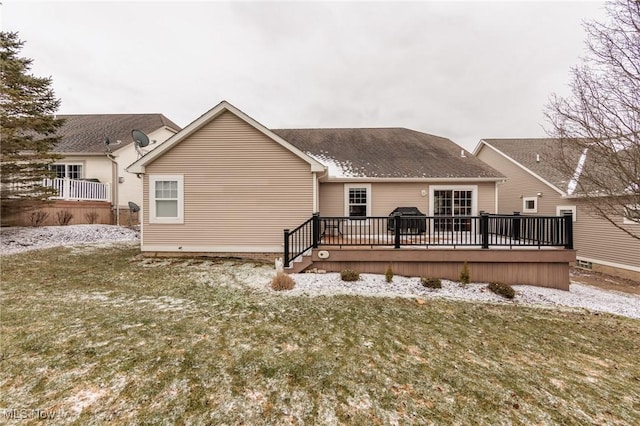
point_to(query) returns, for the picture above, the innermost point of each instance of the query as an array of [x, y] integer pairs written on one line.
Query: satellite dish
[[140, 138], [133, 207]]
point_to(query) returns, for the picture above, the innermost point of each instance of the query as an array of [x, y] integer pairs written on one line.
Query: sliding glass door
[[448, 207]]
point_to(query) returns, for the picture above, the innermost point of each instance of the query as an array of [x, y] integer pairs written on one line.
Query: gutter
[[425, 180]]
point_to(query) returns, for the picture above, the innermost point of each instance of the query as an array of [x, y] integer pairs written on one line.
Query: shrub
[[282, 281], [431, 282], [349, 275], [388, 274], [502, 289], [38, 217], [465, 277], [91, 217], [64, 217]]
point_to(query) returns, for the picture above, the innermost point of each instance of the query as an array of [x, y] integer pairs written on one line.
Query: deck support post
[[484, 229], [568, 231], [316, 229], [396, 229], [286, 248]]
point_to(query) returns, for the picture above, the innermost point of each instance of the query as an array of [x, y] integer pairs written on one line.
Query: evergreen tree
[[27, 128]]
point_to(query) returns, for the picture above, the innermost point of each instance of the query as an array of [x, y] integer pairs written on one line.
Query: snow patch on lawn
[[578, 296], [257, 277], [21, 239]]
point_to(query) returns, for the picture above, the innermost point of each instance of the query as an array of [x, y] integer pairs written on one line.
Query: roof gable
[[388, 153], [212, 114], [534, 156], [85, 133]]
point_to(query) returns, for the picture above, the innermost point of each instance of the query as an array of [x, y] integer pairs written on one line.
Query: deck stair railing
[[300, 240], [483, 231]]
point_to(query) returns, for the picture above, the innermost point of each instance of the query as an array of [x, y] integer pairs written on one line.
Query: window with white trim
[[166, 199], [67, 170], [631, 215], [562, 210], [357, 200], [529, 204]]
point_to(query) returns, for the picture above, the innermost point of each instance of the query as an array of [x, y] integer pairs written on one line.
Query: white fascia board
[[138, 166], [478, 147], [426, 180], [532, 173]]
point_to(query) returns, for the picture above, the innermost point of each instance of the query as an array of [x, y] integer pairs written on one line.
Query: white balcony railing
[[71, 189]]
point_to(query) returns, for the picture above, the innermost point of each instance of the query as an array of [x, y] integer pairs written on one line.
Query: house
[[95, 150], [535, 187], [227, 185]]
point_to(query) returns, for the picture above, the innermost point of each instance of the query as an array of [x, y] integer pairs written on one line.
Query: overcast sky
[[463, 70]]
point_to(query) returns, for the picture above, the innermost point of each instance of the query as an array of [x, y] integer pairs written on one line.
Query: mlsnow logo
[[29, 414]]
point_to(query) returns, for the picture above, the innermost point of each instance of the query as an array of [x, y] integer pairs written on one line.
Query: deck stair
[[300, 263]]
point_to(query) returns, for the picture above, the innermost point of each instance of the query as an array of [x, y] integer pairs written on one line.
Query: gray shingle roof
[[86, 132], [527, 152], [387, 153]]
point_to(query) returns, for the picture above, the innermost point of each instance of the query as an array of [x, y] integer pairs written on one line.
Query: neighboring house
[[535, 187], [227, 184], [92, 170]]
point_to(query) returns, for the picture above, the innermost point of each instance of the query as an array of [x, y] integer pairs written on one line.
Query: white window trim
[[152, 199], [66, 165], [472, 188], [347, 187], [524, 205], [628, 221], [573, 211]]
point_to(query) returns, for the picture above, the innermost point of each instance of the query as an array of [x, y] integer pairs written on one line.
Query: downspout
[[114, 173], [316, 190]]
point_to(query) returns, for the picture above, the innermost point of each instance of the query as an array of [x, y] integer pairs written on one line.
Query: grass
[[110, 336]]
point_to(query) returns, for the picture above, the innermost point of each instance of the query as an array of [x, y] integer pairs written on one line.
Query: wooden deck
[[513, 249], [545, 268]]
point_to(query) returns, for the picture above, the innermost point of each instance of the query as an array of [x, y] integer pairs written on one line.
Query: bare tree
[[598, 124]]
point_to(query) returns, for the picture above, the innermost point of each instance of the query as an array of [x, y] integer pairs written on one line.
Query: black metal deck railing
[[484, 231]]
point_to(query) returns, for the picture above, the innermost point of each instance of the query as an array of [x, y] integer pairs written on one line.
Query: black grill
[[415, 223]]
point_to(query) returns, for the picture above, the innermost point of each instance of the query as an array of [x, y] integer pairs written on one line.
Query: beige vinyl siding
[[385, 197], [487, 197], [598, 240], [520, 184], [240, 188], [331, 199], [594, 238]]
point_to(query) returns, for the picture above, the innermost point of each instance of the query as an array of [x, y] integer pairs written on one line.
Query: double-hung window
[[166, 199], [357, 200]]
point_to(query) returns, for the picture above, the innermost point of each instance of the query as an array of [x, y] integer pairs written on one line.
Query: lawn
[[91, 336]]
